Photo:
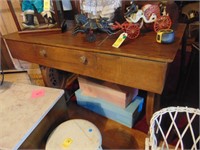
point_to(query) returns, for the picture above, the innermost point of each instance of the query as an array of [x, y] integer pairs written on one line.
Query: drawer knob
[[43, 53], [83, 59]]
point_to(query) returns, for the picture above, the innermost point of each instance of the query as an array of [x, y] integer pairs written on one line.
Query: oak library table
[[140, 63]]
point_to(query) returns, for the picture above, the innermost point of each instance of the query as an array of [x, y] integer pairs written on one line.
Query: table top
[[22, 107], [144, 47]]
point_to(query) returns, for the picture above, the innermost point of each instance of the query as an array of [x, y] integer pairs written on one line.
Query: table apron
[[139, 73]]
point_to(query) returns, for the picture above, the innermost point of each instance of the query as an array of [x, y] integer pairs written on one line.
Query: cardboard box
[[127, 116], [114, 93]]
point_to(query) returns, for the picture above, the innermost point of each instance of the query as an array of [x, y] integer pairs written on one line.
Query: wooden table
[[141, 63]]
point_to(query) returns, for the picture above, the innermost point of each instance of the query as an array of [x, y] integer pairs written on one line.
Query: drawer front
[[75, 61], [138, 73]]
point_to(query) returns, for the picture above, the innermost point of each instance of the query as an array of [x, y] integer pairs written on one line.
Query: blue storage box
[[126, 116]]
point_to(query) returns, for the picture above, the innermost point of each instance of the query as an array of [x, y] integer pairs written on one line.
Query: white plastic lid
[[75, 134]]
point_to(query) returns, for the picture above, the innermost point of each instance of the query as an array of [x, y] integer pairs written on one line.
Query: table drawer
[[129, 71], [75, 61]]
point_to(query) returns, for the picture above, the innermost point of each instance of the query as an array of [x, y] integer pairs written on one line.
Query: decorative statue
[[29, 7]]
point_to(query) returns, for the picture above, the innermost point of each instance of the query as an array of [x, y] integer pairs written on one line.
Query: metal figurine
[[131, 9], [95, 16], [88, 26], [149, 13]]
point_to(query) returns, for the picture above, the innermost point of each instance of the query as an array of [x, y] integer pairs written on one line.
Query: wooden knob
[[83, 60], [43, 53]]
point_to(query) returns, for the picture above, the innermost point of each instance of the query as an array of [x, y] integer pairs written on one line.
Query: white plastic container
[[75, 134]]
